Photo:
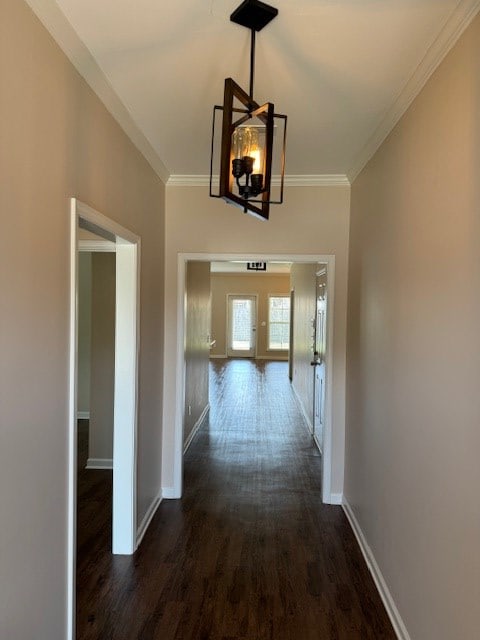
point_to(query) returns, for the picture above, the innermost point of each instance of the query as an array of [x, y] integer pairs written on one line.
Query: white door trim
[[326, 443], [183, 258], [127, 248]]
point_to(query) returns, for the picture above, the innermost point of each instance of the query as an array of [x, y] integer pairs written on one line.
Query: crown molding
[[191, 181], [456, 24], [52, 18], [327, 180], [321, 180]]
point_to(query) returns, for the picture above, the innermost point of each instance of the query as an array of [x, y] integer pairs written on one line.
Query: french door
[[242, 326]]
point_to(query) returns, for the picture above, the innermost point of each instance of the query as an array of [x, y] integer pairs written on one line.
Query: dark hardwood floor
[[94, 507], [249, 553]]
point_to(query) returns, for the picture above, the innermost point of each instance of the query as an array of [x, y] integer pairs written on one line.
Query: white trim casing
[[382, 588], [175, 491], [329, 417], [125, 411], [99, 463], [96, 246], [196, 427], [125, 400], [72, 426]]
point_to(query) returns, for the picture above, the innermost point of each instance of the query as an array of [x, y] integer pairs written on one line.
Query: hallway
[[249, 552]]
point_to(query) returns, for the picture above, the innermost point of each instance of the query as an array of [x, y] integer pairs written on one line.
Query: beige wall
[[311, 221], [102, 372], [84, 330], [57, 141], [250, 284], [303, 279], [197, 343], [413, 410]]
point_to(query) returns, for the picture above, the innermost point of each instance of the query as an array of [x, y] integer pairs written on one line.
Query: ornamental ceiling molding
[[327, 180]]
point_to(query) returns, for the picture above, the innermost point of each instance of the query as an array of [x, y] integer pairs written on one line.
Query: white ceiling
[[342, 70]]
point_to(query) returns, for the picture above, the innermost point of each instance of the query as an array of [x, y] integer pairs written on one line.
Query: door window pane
[[241, 325]]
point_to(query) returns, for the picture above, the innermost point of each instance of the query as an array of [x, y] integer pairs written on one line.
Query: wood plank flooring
[[249, 553]]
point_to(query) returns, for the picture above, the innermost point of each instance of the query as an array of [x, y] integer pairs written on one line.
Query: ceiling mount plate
[[253, 14]]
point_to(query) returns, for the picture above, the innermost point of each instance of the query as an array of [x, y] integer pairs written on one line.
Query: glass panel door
[[241, 326]]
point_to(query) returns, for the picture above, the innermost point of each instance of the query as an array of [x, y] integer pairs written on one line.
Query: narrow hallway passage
[[250, 552]]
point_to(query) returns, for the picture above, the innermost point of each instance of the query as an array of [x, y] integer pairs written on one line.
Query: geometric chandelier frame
[[245, 175]]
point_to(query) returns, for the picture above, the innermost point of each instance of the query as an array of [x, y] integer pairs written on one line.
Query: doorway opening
[[176, 451], [126, 246]]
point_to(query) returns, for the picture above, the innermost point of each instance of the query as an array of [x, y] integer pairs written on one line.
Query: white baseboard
[[83, 415], [223, 357], [170, 493], [196, 427], [308, 424], [319, 447], [99, 463], [387, 599], [335, 498], [147, 518]]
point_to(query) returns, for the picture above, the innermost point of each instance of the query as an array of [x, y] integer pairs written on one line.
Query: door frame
[[176, 451], [240, 296], [290, 338], [124, 520]]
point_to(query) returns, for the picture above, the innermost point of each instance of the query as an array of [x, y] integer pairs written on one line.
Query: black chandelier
[[253, 136]]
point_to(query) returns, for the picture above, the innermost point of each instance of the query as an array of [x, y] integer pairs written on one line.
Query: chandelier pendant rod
[[252, 61]]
